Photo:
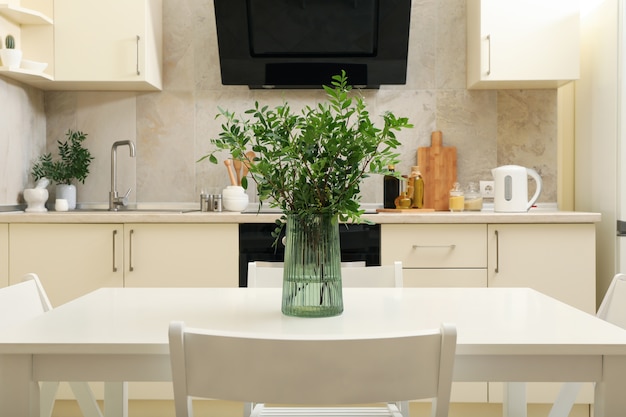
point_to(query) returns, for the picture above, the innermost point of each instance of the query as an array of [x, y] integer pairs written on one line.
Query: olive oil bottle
[[418, 188]]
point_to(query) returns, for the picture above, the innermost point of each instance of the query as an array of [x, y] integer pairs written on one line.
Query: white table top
[[491, 321]]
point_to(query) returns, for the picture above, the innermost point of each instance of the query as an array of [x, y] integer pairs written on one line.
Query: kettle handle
[[531, 172]]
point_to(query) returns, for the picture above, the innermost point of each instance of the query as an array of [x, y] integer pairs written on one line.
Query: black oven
[[359, 242]]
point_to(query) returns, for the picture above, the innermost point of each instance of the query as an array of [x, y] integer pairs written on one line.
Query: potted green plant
[[72, 165], [311, 165], [10, 56]]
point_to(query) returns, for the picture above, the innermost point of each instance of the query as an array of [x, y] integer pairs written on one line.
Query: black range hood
[[303, 43]]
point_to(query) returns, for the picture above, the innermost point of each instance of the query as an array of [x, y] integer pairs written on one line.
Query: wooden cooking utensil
[[250, 155], [229, 168], [438, 167], [237, 166]]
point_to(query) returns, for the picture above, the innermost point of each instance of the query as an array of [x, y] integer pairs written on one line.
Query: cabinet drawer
[[435, 245], [444, 277]]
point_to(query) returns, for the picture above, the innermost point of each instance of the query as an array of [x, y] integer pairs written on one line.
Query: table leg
[[514, 401], [609, 396], [19, 394], [115, 399]]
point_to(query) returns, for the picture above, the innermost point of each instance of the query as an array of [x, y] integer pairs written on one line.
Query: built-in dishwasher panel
[[359, 242]]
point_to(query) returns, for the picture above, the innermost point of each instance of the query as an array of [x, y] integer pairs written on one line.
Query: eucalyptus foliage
[[73, 163], [312, 162]]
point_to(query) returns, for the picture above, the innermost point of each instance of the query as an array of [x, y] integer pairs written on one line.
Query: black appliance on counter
[[359, 242], [303, 43]]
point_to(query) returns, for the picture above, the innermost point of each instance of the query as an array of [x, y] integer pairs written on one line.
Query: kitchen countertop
[[182, 216]]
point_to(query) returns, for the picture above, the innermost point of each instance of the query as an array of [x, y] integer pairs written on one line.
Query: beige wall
[[172, 128]]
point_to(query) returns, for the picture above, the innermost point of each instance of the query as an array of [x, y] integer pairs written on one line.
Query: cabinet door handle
[[138, 39], [114, 251], [488, 39], [497, 251], [452, 246], [130, 251]]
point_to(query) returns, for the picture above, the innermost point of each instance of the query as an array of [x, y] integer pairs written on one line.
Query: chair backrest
[[233, 367], [613, 306], [22, 301], [267, 275]]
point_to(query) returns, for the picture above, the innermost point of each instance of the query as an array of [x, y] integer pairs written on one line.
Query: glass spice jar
[[457, 199], [473, 198]]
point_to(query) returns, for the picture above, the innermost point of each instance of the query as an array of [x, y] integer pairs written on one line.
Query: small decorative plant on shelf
[[10, 56], [72, 165], [311, 165]]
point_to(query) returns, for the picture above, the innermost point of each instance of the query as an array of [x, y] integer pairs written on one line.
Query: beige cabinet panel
[[4, 255], [181, 255], [434, 245], [557, 259], [114, 41], [70, 259], [522, 44], [461, 277]]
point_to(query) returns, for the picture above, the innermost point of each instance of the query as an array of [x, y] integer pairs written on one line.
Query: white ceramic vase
[[11, 58], [67, 192]]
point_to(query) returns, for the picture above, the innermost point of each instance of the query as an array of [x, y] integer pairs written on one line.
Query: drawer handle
[[138, 39], [131, 268], [434, 246], [114, 251]]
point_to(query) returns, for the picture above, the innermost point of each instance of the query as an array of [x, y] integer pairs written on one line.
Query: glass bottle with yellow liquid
[[416, 188]]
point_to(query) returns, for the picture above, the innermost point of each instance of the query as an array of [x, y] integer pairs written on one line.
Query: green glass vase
[[312, 270]]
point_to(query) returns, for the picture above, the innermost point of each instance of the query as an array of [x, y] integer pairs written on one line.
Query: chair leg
[[48, 393], [86, 400], [565, 400]]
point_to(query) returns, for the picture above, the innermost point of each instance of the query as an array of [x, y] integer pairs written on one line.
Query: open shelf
[[24, 16]]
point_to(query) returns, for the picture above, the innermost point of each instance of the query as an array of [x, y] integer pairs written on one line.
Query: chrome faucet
[[114, 200]]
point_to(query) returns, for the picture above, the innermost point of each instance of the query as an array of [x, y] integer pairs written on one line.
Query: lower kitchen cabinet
[[556, 259], [440, 255], [181, 255], [4, 255], [74, 259], [70, 259]]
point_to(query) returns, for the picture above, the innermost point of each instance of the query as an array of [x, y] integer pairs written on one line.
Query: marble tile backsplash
[[172, 128]]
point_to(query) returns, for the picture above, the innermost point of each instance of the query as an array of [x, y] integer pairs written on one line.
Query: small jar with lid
[[457, 198], [473, 197]]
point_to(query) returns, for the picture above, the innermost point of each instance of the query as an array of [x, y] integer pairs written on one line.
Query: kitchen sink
[[144, 208], [98, 210]]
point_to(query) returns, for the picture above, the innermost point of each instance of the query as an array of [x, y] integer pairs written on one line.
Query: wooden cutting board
[[437, 164]]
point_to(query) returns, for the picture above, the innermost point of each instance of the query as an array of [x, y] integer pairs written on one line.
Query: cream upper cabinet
[[522, 43], [181, 255], [115, 44], [70, 259], [4, 255]]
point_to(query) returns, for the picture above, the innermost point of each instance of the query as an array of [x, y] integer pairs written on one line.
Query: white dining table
[[504, 334]]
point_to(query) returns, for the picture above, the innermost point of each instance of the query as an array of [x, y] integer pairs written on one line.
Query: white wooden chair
[[270, 275], [26, 300], [229, 366], [353, 274], [613, 310]]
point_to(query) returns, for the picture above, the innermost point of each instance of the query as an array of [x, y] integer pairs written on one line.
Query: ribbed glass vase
[[312, 270]]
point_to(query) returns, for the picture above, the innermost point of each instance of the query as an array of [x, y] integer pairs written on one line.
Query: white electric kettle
[[511, 188]]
